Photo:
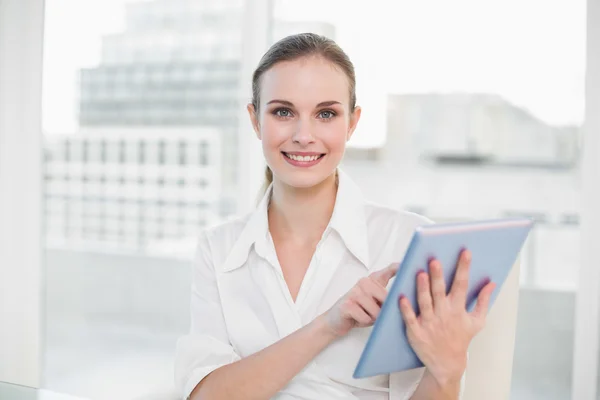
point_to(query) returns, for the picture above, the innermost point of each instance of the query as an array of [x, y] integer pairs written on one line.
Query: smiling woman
[[277, 294]]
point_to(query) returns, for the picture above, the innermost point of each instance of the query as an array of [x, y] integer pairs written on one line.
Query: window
[[103, 151], [161, 152], [84, 151], [141, 152], [122, 156], [67, 151], [203, 156], [182, 153]]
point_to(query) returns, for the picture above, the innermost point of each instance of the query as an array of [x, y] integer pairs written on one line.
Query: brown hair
[[292, 48]]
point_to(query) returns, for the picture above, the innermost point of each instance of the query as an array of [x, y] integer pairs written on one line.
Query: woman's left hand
[[441, 334]]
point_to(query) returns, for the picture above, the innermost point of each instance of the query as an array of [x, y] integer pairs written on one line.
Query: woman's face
[[304, 120]]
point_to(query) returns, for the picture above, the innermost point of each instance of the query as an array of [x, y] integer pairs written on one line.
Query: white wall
[[21, 32], [587, 307]]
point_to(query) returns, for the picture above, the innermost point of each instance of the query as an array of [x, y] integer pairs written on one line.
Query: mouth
[[299, 160]]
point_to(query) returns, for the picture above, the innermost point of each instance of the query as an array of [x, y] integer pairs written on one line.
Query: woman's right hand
[[360, 307]]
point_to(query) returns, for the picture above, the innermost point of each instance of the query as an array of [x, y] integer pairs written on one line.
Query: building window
[[141, 152], [122, 152], [48, 156], [161, 152], [202, 153], [103, 151], [84, 151], [182, 158], [67, 151]]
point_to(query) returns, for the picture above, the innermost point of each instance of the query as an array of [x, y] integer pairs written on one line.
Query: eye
[[282, 112], [326, 114]]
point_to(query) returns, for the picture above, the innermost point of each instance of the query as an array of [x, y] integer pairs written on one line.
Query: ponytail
[[266, 184]]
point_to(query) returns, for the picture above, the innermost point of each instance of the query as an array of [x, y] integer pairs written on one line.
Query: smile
[[302, 160]]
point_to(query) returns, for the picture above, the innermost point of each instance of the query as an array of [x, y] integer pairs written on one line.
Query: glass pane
[[140, 103], [473, 109]]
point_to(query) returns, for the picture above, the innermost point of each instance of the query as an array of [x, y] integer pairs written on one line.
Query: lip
[[302, 153], [302, 164]]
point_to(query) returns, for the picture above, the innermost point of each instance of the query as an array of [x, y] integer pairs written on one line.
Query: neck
[[302, 214]]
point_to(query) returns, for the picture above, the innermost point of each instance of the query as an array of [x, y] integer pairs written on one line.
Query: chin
[[304, 179]]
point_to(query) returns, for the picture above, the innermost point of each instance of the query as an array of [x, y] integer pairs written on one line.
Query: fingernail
[[467, 255], [400, 298]]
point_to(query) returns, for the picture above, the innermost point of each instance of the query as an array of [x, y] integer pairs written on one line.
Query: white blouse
[[241, 303]]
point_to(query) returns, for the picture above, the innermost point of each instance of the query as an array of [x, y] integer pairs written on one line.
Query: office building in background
[[129, 189], [177, 63]]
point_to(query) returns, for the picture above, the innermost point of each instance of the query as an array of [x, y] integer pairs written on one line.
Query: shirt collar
[[348, 220]]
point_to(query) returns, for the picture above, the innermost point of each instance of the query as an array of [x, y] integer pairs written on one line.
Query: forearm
[[263, 374], [432, 389]]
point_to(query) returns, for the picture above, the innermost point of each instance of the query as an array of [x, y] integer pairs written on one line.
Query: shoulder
[[217, 240], [384, 219], [389, 232], [230, 228]]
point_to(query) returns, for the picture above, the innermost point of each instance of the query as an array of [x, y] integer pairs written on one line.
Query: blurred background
[[471, 109]]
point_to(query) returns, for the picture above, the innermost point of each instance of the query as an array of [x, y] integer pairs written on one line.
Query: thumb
[[384, 275]]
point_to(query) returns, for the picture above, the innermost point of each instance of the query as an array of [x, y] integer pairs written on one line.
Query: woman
[[282, 300]]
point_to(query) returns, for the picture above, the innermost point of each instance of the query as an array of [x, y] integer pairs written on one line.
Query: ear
[[254, 119], [354, 118]]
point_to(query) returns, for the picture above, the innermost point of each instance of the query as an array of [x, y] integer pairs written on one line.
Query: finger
[[438, 285], [383, 276], [460, 284], [373, 289], [483, 301], [408, 314], [368, 304], [357, 313], [424, 295]]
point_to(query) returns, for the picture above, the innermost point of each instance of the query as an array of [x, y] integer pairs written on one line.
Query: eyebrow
[[290, 104]]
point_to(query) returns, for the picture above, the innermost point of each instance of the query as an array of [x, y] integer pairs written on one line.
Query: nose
[[303, 134]]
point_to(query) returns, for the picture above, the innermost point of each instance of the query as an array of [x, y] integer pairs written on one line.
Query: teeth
[[301, 158]]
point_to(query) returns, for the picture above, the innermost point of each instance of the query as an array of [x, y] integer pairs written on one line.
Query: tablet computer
[[494, 247]]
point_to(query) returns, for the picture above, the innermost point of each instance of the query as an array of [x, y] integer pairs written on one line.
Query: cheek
[[333, 135], [273, 133]]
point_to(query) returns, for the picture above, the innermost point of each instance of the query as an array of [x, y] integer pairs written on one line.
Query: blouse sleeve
[[207, 346]]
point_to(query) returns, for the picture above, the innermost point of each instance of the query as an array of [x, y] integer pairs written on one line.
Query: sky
[[531, 52]]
